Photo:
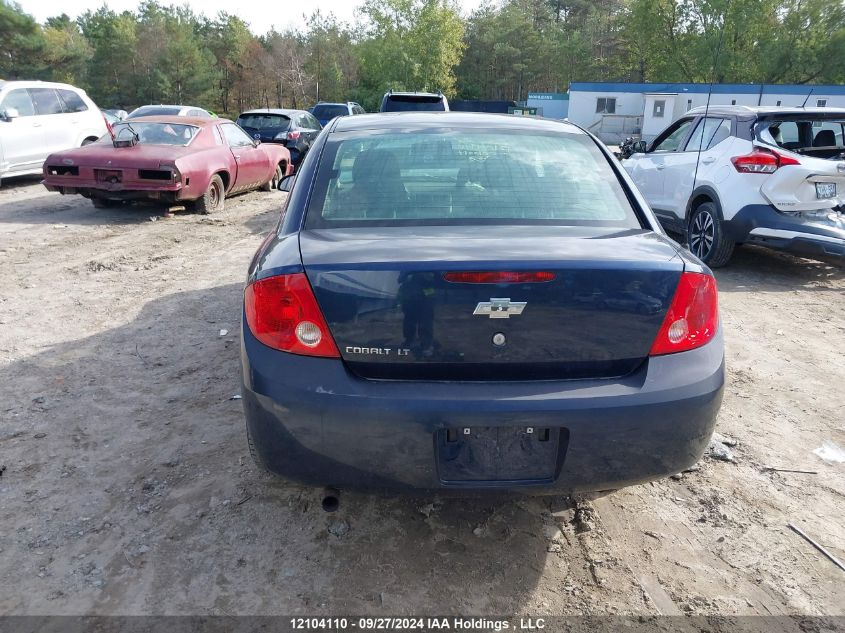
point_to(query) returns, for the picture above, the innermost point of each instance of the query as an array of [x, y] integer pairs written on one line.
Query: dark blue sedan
[[467, 301]]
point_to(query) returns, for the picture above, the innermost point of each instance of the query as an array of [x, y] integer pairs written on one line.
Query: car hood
[[105, 154]]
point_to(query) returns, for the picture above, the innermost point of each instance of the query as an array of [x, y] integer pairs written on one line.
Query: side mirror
[[640, 147], [286, 183], [256, 142], [10, 113]]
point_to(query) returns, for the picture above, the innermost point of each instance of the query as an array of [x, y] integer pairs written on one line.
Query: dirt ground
[[128, 488]]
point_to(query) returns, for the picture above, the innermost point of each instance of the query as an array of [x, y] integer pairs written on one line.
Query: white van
[[38, 118]]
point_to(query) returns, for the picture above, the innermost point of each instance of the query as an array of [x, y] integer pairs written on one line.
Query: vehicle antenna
[[709, 94], [807, 97]]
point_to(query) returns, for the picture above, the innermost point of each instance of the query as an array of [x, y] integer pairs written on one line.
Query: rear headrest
[[825, 138]]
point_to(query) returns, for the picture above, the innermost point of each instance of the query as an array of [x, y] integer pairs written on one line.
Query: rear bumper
[[810, 237], [313, 422], [170, 192]]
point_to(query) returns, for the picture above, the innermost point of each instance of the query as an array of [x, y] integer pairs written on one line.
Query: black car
[[414, 102], [295, 129]]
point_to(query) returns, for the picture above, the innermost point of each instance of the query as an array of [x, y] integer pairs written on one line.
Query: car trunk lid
[[105, 156], [394, 315]]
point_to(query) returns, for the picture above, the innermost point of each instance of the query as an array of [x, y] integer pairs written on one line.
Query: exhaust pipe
[[331, 500]]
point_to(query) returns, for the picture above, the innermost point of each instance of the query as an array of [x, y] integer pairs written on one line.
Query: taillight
[[762, 161], [175, 174], [282, 313], [292, 136], [499, 277], [693, 316]]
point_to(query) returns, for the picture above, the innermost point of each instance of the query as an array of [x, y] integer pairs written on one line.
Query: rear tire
[[706, 236], [273, 183], [212, 200]]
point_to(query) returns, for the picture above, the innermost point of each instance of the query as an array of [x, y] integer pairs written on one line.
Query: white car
[[38, 118], [168, 110], [768, 176]]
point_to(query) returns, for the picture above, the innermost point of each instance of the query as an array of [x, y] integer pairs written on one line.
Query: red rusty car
[[174, 160]]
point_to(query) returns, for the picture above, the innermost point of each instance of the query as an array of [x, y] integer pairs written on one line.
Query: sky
[[261, 15]]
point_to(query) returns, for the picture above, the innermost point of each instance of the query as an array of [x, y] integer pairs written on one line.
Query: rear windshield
[[155, 111], [822, 136], [413, 103], [153, 133], [264, 121], [330, 111], [466, 177]]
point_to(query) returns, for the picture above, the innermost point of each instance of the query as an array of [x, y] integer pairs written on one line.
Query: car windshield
[[822, 136], [264, 121], [150, 133], [154, 111], [414, 103], [466, 177], [329, 111]]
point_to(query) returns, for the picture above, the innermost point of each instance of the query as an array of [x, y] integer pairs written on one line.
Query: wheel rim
[[702, 234], [214, 195]]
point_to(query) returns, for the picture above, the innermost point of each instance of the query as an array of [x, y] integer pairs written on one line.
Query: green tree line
[[169, 54]]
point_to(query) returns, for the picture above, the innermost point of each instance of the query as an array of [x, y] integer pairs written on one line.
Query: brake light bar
[[693, 316], [762, 161], [499, 277], [282, 313]]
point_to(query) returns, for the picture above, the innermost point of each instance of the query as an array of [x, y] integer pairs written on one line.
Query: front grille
[[155, 174], [62, 170]]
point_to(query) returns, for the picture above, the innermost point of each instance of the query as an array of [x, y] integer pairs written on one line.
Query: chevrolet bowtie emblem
[[499, 308]]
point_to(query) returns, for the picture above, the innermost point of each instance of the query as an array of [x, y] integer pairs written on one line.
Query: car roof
[[168, 105], [35, 83], [180, 120], [285, 111], [400, 93], [467, 120], [741, 110]]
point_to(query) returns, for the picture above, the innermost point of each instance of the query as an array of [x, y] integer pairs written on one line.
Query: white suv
[[768, 176], [38, 118]]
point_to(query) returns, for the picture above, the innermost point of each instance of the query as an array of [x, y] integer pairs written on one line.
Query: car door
[[684, 168], [649, 173], [253, 162], [58, 133], [310, 128], [21, 136]]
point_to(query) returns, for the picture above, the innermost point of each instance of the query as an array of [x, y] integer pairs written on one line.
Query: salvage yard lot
[[128, 487]]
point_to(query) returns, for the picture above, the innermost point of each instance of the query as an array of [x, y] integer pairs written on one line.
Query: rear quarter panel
[[92, 123], [278, 153], [202, 165]]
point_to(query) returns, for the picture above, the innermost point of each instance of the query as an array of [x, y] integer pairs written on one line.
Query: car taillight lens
[[762, 161], [693, 317], [499, 277], [292, 136], [176, 175], [282, 313]]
